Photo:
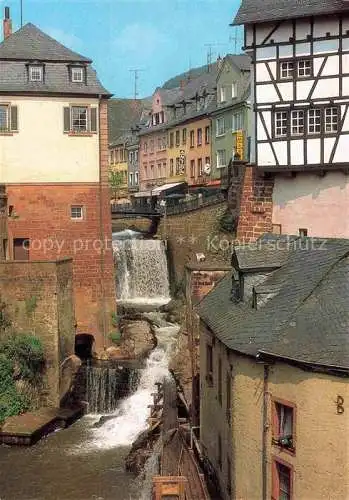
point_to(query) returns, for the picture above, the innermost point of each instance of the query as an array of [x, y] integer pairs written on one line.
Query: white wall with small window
[[40, 120]]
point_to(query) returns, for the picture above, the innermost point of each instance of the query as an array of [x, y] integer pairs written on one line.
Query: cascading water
[[142, 274], [131, 418], [106, 386]]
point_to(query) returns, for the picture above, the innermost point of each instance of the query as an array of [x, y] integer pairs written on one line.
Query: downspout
[[265, 431], [101, 229]]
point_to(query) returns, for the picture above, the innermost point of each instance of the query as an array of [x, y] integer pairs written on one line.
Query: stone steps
[[28, 428]]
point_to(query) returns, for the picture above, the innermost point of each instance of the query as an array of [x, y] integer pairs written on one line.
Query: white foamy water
[[142, 274], [131, 418]]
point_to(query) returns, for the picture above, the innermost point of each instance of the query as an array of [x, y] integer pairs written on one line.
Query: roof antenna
[[21, 13]]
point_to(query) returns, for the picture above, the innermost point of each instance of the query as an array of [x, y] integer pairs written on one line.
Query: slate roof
[[257, 11], [13, 78], [308, 318], [123, 114], [242, 61], [31, 44], [193, 73]]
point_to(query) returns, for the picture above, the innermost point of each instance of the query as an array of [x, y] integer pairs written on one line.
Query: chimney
[[7, 24], [219, 62], [182, 84]]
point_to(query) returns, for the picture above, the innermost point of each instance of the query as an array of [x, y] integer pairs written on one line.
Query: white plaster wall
[[320, 204], [326, 88], [266, 93], [297, 152], [331, 66], [265, 155], [286, 90], [313, 151], [40, 152], [303, 88]]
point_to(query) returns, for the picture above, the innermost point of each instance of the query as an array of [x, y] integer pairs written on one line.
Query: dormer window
[[77, 75], [36, 73]]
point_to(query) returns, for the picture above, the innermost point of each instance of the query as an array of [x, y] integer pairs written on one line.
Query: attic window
[[36, 73], [77, 75]]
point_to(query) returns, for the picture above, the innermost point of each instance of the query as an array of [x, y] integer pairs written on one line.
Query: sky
[[161, 38]]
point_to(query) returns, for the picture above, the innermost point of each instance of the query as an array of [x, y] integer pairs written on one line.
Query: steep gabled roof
[[257, 11], [306, 317], [31, 44], [123, 114]]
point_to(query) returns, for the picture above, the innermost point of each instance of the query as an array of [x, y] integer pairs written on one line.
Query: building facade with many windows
[[300, 59], [54, 163], [274, 368]]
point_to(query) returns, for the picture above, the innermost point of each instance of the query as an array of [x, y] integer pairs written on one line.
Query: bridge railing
[[171, 208]]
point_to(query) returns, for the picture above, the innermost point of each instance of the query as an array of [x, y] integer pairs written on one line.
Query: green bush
[[27, 353], [115, 337], [21, 357]]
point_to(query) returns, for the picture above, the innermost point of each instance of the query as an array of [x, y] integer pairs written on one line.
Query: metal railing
[[172, 207]]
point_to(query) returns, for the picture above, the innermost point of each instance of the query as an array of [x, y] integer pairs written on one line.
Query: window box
[[283, 415], [80, 120]]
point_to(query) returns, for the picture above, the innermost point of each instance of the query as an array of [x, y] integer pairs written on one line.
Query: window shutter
[[275, 488], [93, 119], [14, 118], [67, 119]]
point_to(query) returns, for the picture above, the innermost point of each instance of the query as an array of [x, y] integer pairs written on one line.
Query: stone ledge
[[28, 428]]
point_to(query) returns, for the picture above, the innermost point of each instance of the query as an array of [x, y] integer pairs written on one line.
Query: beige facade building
[[274, 367]]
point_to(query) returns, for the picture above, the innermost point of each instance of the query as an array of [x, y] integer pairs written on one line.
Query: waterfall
[[131, 416], [106, 386], [142, 273]]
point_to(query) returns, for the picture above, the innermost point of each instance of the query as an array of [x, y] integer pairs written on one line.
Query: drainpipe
[[265, 432], [101, 229]]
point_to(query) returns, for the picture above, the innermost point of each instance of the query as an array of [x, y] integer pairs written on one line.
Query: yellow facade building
[[274, 374]]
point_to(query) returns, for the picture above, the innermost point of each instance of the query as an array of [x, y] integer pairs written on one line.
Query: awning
[[166, 188], [142, 194]]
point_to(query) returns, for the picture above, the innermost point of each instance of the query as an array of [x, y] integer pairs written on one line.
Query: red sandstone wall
[[43, 216], [250, 196]]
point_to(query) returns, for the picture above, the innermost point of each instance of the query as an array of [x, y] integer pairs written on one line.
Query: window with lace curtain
[[283, 425]]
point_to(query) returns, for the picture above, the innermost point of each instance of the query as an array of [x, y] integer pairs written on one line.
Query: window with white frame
[[314, 121], [36, 73], [136, 178], [233, 90], [286, 69], [331, 119], [79, 118], [223, 94], [77, 75], [220, 126], [4, 117], [76, 212], [304, 68], [131, 179], [221, 158], [281, 119], [297, 122], [238, 121]]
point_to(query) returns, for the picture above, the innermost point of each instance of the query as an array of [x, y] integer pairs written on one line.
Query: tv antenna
[[136, 78], [237, 40], [210, 51]]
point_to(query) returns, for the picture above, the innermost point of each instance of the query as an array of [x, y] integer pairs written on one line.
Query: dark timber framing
[[287, 101]]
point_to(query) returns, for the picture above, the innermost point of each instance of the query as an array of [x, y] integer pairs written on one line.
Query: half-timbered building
[[300, 52]]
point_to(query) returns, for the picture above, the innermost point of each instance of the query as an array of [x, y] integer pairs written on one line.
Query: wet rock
[[138, 338], [100, 355], [103, 420], [68, 373], [116, 353], [141, 451]]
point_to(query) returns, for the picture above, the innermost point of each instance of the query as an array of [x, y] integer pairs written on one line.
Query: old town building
[[300, 54], [274, 368], [54, 163], [231, 120]]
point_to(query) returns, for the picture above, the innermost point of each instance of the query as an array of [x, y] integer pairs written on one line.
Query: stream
[[86, 462]]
